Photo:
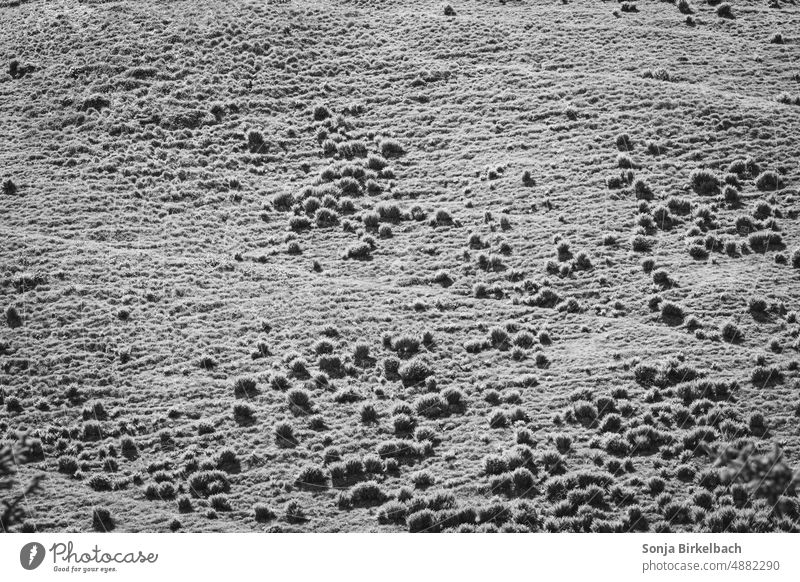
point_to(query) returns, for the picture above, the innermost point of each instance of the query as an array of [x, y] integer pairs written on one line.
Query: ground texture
[[385, 266]]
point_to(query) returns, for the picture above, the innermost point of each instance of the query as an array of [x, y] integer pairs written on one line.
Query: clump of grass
[[366, 493], [625, 162], [498, 419], [527, 179], [243, 412], [311, 475], [263, 513], [443, 217], [209, 482], [321, 113], [405, 345], [415, 371], [704, 182], [359, 250], [368, 413], [642, 190], [767, 181], [245, 387], [430, 405], [765, 375], [499, 338], [623, 142], [185, 504], [757, 304], [9, 187], [284, 434], [796, 258], [13, 318], [391, 148], [393, 512], [671, 310], [725, 10], [294, 513], [641, 243], [730, 332], [403, 424], [102, 520], [762, 241], [422, 479]]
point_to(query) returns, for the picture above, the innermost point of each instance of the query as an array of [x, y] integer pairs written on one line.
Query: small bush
[[764, 240], [391, 148], [243, 412], [670, 310], [624, 161], [725, 10], [403, 424], [211, 482], [767, 181], [422, 479], [641, 244], [102, 519], [642, 190], [244, 387], [765, 375], [311, 475], [263, 513], [498, 419], [430, 405], [623, 142], [294, 513], [284, 433], [415, 371], [359, 250], [368, 414]]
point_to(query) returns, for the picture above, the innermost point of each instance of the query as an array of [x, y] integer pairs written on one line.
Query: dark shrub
[[391, 148], [392, 512], [263, 513], [102, 519], [641, 243], [430, 405], [205, 483], [642, 190], [244, 387], [704, 182], [725, 10], [284, 434], [403, 424], [311, 475], [498, 419], [421, 521], [764, 240], [368, 413], [359, 250], [768, 180], [415, 371], [670, 310]]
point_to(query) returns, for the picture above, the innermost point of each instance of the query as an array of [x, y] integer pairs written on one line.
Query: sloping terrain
[[383, 266]]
